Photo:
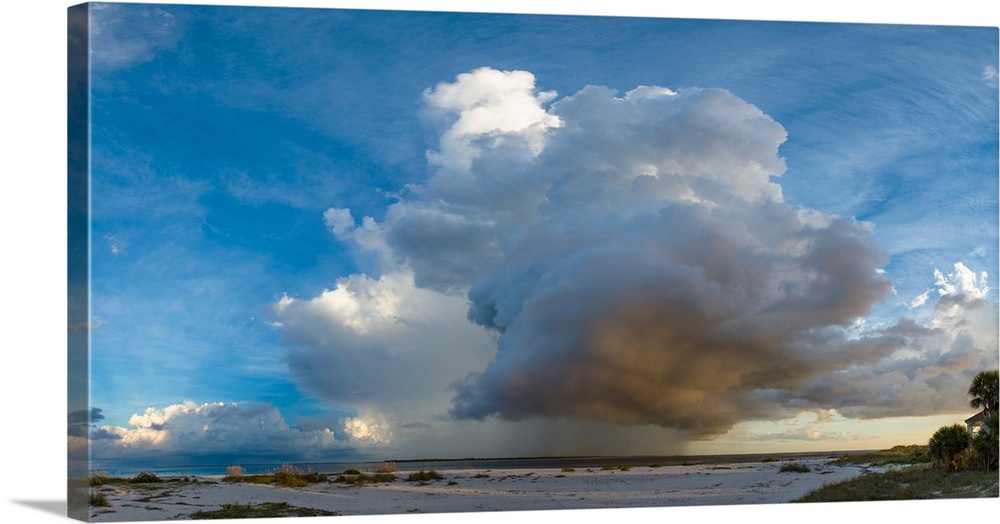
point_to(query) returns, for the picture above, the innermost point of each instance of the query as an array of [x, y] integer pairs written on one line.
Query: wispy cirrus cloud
[[121, 37]]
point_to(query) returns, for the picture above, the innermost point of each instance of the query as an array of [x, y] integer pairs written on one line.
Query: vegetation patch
[[424, 476], [99, 500], [145, 478], [794, 468], [912, 454], [363, 478], [656, 465], [915, 482], [287, 476], [768, 459], [568, 469], [265, 510]]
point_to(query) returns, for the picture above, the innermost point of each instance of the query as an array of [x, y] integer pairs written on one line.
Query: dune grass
[[794, 467]]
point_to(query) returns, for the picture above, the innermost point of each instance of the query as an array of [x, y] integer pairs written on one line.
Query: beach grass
[[99, 500], [265, 510], [909, 483]]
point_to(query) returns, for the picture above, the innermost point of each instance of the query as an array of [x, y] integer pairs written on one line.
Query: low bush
[[424, 476], [794, 467], [98, 478], [362, 478], [99, 500], [145, 478]]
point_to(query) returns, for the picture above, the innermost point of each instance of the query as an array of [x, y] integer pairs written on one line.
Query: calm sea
[[479, 464]]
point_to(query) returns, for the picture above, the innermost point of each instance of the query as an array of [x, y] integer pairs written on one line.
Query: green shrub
[[351, 472], [568, 469], [625, 468], [793, 467], [656, 465], [146, 478], [424, 476], [361, 478]]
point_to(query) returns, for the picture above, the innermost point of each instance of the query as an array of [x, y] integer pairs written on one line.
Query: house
[[975, 422]]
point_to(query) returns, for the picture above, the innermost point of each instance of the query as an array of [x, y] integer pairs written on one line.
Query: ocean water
[[473, 463]]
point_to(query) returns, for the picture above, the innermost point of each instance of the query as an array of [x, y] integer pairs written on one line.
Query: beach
[[486, 490]]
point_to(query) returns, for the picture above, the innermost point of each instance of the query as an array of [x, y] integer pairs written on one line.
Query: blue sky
[[313, 229]]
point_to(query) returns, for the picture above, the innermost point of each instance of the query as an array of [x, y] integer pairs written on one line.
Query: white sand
[[500, 490]]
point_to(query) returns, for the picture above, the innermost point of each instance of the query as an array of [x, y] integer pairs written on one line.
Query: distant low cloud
[[229, 431]]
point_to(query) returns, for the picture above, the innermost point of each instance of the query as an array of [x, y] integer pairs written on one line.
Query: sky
[[323, 235]]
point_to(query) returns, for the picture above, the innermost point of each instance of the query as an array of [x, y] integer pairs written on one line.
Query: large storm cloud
[[635, 259]]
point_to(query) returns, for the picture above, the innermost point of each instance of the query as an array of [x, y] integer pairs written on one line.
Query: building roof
[[978, 417]]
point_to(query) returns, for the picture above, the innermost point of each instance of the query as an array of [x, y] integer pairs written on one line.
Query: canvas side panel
[[78, 260]]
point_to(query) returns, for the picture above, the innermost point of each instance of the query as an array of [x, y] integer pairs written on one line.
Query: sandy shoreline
[[469, 490]]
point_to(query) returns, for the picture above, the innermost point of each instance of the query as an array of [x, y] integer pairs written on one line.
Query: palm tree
[[948, 443], [984, 391], [986, 441]]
